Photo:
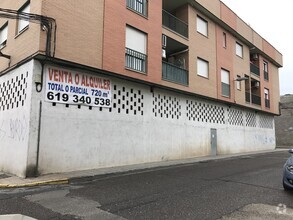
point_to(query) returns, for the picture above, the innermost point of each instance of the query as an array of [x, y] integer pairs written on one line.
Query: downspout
[[39, 139], [40, 121]]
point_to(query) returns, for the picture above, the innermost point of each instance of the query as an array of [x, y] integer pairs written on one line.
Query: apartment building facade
[[109, 83]]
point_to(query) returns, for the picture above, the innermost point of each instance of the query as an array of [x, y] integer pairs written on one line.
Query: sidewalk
[[7, 181]]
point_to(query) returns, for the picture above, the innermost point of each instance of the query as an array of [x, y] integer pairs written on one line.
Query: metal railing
[[173, 73], [247, 97], [175, 24], [225, 90], [255, 99], [140, 6], [135, 60], [254, 69], [266, 75], [267, 103]]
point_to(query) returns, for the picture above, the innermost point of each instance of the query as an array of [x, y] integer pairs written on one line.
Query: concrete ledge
[[35, 183], [260, 211], [15, 217]]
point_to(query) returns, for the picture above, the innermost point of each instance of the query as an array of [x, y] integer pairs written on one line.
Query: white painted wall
[[15, 106], [75, 138], [165, 126]]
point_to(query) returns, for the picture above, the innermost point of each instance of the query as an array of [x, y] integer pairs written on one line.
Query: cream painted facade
[[59, 121]]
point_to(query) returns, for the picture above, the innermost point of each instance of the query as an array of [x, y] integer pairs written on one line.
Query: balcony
[[254, 69], [175, 24], [255, 99], [267, 103], [173, 73], [135, 60]]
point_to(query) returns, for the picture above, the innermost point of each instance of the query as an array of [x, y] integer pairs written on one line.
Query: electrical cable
[[48, 22]]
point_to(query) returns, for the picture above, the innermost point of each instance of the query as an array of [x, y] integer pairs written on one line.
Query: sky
[[271, 19]]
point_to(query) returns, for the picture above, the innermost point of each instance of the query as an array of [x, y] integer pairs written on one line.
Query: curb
[[39, 183], [104, 173]]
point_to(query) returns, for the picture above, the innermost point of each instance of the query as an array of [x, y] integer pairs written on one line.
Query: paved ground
[[245, 187], [10, 181], [261, 211]]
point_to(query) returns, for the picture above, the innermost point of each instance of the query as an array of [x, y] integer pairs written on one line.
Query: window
[[22, 24], [202, 68], [239, 50], [135, 54], [267, 98], [247, 89], [202, 26], [265, 70], [139, 6], [225, 79], [238, 83], [224, 40], [3, 35]]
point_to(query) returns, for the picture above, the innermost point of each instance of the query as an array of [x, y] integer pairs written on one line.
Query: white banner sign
[[71, 87]]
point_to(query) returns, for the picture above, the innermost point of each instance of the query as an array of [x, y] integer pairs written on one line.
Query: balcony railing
[[135, 60], [247, 97], [139, 6], [255, 99], [225, 90], [175, 24], [267, 103], [174, 73], [254, 69], [266, 75]]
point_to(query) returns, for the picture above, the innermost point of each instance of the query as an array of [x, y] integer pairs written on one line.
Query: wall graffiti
[[264, 139], [14, 128]]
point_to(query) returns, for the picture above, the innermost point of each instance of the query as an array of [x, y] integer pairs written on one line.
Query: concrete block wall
[[144, 125], [284, 122], [15, 107]]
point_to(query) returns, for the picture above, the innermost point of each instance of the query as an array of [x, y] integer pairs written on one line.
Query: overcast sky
[[273, 21]]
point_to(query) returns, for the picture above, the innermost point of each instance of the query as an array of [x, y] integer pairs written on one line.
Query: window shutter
[[202, 68], [3, 34], [202, 26], [135, 40], [23, 23], [239, 50], [225, 76]]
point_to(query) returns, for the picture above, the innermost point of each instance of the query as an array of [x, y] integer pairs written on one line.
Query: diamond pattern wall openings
[[13, 92], [250, 119], [127, 100], [166, 106], [203, 112], [130, 100], [266, 121], [235, 117]]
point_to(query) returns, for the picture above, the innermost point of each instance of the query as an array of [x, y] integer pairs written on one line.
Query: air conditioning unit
[[164, 41], [255, 84]]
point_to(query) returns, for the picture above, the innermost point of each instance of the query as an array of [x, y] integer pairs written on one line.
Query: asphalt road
[[218, 189]]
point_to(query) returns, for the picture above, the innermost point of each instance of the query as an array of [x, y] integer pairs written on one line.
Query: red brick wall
[[117, 16]]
